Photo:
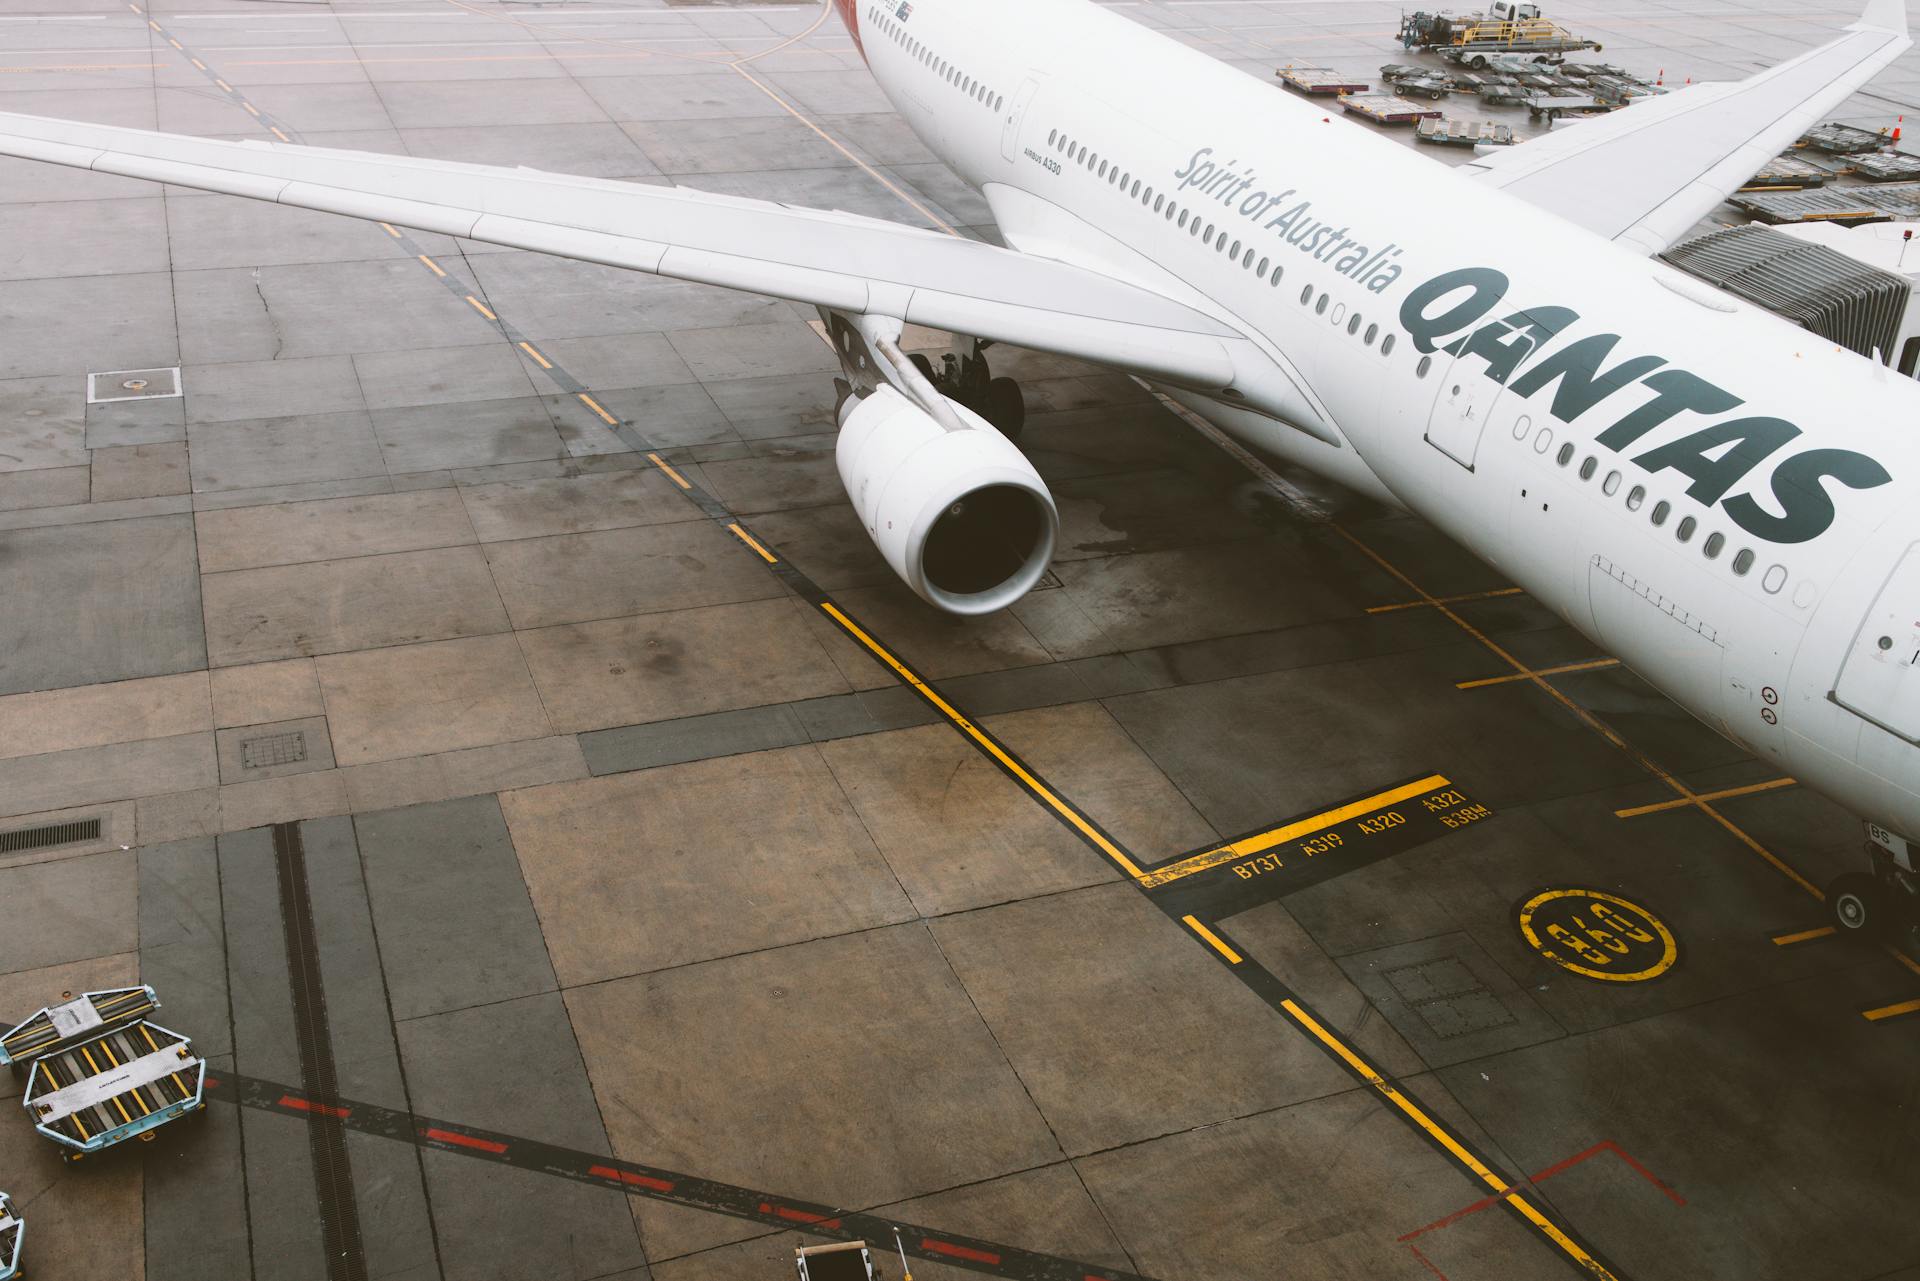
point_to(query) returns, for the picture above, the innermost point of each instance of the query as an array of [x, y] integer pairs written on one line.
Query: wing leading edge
[[810, 256], [1644, 176]]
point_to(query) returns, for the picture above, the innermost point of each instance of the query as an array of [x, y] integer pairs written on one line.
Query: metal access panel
[[844, 1261], [133, 384], [1877, 680]]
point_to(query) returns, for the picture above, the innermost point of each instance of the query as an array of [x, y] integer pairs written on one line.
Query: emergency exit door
[[1878, 680], [1016, 115], [1461, 408]]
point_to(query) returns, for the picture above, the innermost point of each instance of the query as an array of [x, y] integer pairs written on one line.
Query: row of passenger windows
[[1207, 233], [1711, 547], [945, 70], [1715, 543]]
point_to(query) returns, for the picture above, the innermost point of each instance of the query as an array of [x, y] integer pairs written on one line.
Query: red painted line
[[1428, 1262], [1458, 1215], [797, 1216], [1605, 1145], [308, 1105], [629, 1177], [952, 1251], [464, 1140], [1608, 1145]]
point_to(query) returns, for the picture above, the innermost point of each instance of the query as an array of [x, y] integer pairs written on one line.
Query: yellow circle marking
[[1616, 919]]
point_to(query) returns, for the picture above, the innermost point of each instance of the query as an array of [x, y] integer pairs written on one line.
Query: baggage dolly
[[13, 1238], [98, 1073]]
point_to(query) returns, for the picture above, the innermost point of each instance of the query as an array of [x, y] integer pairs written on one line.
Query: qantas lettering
[[1715, 458]]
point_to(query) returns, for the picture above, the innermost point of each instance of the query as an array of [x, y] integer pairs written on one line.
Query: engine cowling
[[961, 516]]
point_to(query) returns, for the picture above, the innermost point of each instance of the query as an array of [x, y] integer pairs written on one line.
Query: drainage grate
[[273, 749], [133, 384], [42, 838]]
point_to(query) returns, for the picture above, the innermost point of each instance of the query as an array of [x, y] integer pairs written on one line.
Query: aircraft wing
[[812, 256], [1645, 175]]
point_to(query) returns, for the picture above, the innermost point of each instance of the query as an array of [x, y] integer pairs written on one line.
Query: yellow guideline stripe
[[434, 267], [754, 543], [1292, 831], [1439, 1134], [594, 405], [1511, 677], [391, 230], [1681, 802], [1079, 822], [173, 42], [544, 362], [278, 133], [1219, 944], [1803, 936], [223, 84], [481, 307], [662, 464], [1446, 600], [199, 64], [1891, 1011]]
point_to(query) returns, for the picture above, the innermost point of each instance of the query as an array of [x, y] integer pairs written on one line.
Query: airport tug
[[98, 1073]]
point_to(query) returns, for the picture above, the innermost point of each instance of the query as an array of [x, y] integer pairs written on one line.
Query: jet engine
[[958, 512]]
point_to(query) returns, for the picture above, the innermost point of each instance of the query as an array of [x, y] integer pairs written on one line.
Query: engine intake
[[961, 516]]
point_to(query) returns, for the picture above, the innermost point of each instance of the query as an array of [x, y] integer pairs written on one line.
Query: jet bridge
[[1837, 295]]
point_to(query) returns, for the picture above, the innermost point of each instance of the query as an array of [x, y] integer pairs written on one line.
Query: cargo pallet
[[1788, 173], [1465, 133], [1554, 106], [1320, 82], [13, 1238], [1422, 81], [1842, 140], [1833, 204], [1386, 109], [98, 1073], [1884, 166]]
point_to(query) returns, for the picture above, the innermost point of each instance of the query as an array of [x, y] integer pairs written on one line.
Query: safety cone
[[1661, 78], [1896, 128]]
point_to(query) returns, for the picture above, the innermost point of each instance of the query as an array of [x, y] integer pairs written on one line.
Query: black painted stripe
[[326, 1137]]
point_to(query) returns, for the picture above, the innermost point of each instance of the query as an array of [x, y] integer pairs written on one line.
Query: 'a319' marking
[[1448, 808]]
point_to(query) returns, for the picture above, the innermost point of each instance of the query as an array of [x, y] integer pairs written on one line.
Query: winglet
[[1884, 15]]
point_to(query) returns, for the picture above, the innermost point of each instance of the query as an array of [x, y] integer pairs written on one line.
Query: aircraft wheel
[[1006, 407], [1858, 906]]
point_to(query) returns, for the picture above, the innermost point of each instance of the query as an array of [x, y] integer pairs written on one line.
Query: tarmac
[[576, 855]]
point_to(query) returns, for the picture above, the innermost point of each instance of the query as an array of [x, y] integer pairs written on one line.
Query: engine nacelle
[[961, 516]]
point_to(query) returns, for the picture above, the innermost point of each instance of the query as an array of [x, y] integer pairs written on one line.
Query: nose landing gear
[[1881, 905]]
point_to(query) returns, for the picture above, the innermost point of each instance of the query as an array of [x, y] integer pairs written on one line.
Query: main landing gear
[[968, 379], [1882, 904]]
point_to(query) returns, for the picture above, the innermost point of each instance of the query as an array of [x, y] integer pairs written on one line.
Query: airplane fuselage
[[1721, 499]]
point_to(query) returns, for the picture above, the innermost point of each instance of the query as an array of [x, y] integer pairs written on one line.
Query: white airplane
[[1725, 501]]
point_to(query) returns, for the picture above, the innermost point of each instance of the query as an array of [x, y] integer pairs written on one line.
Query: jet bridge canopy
[[1842, 299]]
